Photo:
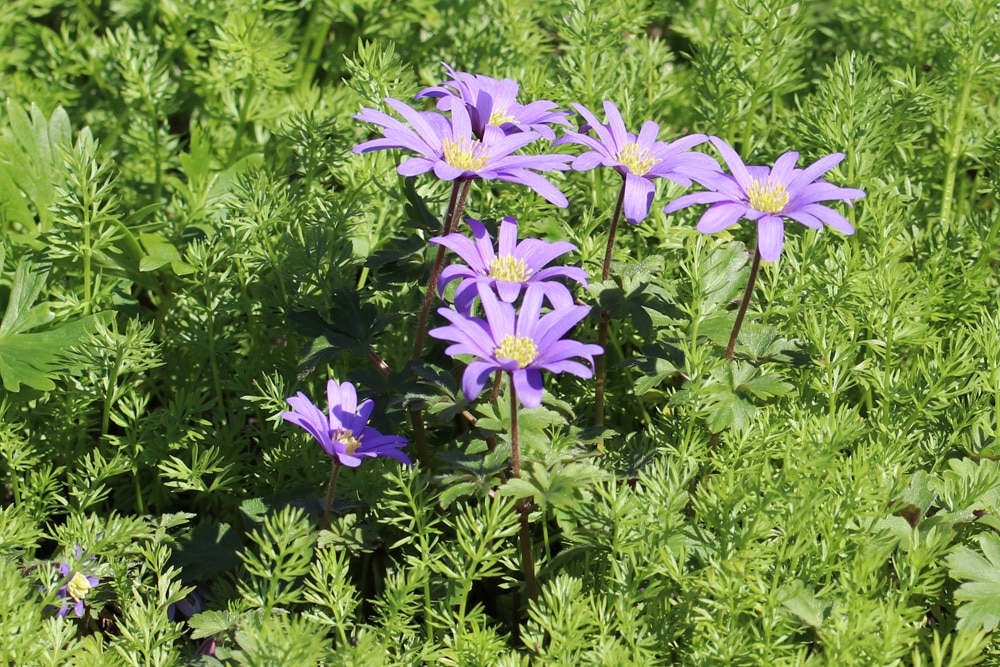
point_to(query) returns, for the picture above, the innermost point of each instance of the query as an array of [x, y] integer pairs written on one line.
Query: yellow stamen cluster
[[509, 268], [521, 349], [768, 197], [346, 438], [465, 154], [499, 117], [78, 586], [636, 158]]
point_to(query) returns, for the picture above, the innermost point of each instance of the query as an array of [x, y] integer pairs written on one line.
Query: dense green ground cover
[[188, 240]]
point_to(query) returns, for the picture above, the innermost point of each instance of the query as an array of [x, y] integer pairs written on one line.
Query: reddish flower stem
[[523, 505], [600, 361], [329, 493], [459, 193], [744, 304]]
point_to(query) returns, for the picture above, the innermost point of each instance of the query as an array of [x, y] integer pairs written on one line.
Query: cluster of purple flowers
[[475, 133]]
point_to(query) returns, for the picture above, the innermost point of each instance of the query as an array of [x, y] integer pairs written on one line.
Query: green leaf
[[161, 252], [802, 603], [981, 590], [30, 156], [210, 623], [33, 359], [211, 549]]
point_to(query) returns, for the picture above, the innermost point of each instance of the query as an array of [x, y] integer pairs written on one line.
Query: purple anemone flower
[[767, 195], [507, 269], [453, 152], [639, 158], [493, 102], [345, 435], [75, 589], [523, 344]]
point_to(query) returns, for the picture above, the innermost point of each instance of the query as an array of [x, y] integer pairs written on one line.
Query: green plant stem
[[600, 361], [954, 152], [329, 493], [751, 281], [523, 505]]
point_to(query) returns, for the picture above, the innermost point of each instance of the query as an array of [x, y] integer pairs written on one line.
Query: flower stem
[[329, 493], [459, 193], [600, 361], [523, 505], [744, 304]]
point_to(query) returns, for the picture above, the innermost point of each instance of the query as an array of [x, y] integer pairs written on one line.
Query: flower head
[[77, 584], [507, 269], [451, 150], [191, 604], [344, 435], [493, 102], [523, 344], [767, 195], [639, 158]]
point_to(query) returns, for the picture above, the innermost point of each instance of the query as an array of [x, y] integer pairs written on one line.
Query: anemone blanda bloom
[[344, 433], [767, 195], [639, 158], [494, 102], [508, 268], [74, 591], [451, 150], [523, 344]]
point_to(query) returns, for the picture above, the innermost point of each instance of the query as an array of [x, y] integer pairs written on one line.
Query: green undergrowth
[[188, 240]]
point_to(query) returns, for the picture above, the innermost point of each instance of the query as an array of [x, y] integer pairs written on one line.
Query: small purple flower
[[639, 158], [506, 270], [75, 589], [191, 604], [345, 434], [523, 344], [453, 152], [767, 195], [493, 102]]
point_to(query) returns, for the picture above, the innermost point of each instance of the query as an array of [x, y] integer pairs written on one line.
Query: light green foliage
[[188, 240]]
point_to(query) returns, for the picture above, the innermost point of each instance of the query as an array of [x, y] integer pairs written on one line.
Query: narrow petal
[[539, 184], [507, 237], [721, 215], [454, 272], [735, 163], [500, 316], [484, 246], [648, 134], [528, 384], [639, 193], [829, 216], [616, 124], [815, 170], [783, 167], [530, 311], [770, 237], [536, 253], [475, 377], [693, 199], [463, 246]]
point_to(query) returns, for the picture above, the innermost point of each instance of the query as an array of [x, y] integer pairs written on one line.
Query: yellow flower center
[[78, 586], [509, 268], [465, 154], [768, 197], [520, 349], [636, 158], [347, 438], [499, 117]]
